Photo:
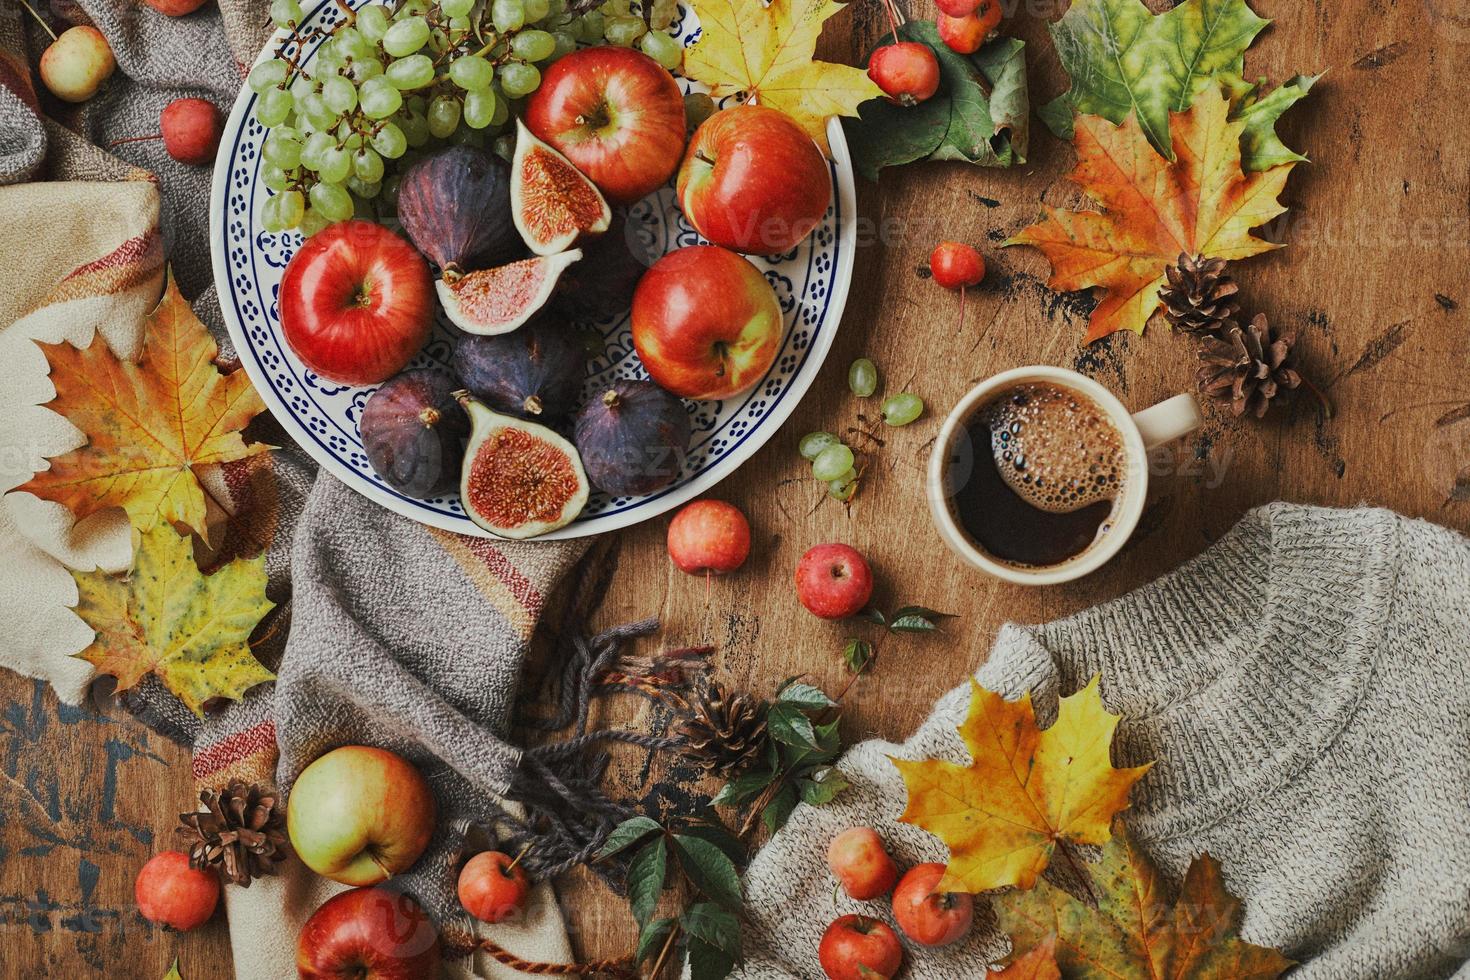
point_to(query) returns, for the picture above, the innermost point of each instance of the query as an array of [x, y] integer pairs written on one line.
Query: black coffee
[[1048, 470]]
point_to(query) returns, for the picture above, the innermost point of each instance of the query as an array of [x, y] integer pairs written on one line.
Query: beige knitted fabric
[[1305, 689]]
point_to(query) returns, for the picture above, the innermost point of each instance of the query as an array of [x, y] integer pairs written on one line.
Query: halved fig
[[552, 202], [520, 479], [494, 301]]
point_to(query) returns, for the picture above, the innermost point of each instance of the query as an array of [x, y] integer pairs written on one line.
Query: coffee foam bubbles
[[1055, 448]]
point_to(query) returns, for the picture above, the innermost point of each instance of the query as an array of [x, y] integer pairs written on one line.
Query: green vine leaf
[[711, 870], [743, 788], [626, 834], [789, 726], [779, 810], [646, 874], [651, 939], [805, 696], [857, 654], [706, 962], [980, 113], [823, 789], [714, 926]]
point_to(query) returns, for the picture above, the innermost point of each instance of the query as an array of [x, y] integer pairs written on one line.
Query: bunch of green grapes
[[393, 78]]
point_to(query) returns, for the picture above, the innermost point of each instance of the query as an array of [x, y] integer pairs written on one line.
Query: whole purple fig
[[535, 372], [633, 437], [455, 205], [413, 432]]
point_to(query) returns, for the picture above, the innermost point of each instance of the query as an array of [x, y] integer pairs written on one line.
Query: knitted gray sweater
[[1305, 689]]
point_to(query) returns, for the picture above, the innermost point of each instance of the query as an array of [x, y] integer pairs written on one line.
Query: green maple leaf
[[166, 618], [1123, 59]]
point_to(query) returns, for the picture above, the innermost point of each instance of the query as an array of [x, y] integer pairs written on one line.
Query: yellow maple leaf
[[1132, 927], [1153, 210], [166, 618], [149, 424], [1025, 790], [764, 51], [1039, 963]]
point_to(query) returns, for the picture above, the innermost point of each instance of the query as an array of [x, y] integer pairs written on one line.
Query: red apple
[[359, 815], [928, 916], [191, 130], [356, 303], [754, 181], [176, 8], [492, 887], [709, 537], [705, 322], [856, 947], [171, 893], [368, 934], [833, 581], [858, 860], [616, 114]]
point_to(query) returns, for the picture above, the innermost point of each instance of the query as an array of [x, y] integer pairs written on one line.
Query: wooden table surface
[[1375, 282]]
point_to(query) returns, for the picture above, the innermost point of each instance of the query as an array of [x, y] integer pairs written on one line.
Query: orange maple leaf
[[149, 424], [1153, 210], [1040, 963], [1025, 791], [1134, 929]]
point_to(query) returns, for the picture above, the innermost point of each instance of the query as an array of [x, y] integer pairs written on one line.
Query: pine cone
[[1200, 296], [242, 830], [723, 732], [1248, 367]]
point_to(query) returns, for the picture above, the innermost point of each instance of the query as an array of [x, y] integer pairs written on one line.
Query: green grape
[[415, 71], [459, 25], [275, 178], [456, 8], [268, 74], [505, 147], [471, 73], [415, 128], [662, 48], [533, 45], [443, 116], [902, 409], [270, 215], [316, 145], [339, 94], [373, 21], [322, 116], [414, 8], [502, 108], [813, 443], [518, 79], [285, 12], [565, 43], [312, 222], [364, 189], [282, 148], [417, 104], [466, 136], [832, 462], [301, 85], [361, 71], [591, 26], [556, 8], [623, 30], [367, 166], [332, 202], [292, 206], [328, 62], [536, 10], [862, 377], [349, 42], [479, 108], [698, 107], [390, 189], [389, 141], [273, 106], [406, 36], [349, 139], [843, 487], [438, 41], [507, 15], [334, 165], [378, 98]]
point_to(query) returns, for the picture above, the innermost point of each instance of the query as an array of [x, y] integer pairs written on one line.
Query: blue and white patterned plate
[[811, 283]]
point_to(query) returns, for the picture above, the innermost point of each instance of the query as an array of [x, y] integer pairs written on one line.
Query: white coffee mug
[[1164, 422]]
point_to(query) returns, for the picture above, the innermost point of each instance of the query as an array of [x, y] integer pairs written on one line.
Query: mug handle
[[1170, 419]]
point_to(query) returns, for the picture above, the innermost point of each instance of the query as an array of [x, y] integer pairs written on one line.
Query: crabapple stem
[[517, 859], [44, 26]]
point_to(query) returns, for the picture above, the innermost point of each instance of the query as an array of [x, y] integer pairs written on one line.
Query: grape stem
[[39, 20]]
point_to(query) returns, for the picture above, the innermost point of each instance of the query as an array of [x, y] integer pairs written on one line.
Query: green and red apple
[[754, 181], [706, 323], [360, 815]]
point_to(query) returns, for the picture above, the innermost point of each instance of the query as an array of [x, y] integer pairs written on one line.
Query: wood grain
[[1375, 282]]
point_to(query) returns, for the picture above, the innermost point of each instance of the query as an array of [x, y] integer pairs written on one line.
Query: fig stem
[[610, 398], [44, 26], [533, 405], [430, 417]]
